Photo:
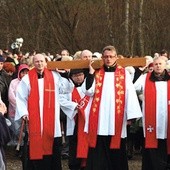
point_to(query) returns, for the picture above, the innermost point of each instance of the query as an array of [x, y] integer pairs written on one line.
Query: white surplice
[[161, 105], [106, 124], [70, 117], [62, 86]]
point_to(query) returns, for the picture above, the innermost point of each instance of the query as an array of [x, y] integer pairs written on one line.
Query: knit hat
[[2, 59], [75, 71]]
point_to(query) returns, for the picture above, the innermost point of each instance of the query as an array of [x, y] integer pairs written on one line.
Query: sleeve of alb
[[65, 75], [89, 81]]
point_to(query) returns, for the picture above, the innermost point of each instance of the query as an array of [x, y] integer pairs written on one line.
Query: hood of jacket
[[22, 67]]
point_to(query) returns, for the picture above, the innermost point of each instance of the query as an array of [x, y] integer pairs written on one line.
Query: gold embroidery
[[99, 84], [95, 105], [97, 99], [119, 111], [97, 91], [119, 101], [100, 78], [120, 90], [94, 110]]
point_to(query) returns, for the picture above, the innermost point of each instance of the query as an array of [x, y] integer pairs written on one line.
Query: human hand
[[3, 108], [61, 71], [91, 69], [25, 117]]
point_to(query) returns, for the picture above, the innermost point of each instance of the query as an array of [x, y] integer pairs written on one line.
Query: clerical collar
[[40, 75], [163, 77], [110, 68], [77, 85]]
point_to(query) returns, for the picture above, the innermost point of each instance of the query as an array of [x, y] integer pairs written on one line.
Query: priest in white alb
[[114, 103], [155, 87], [37, 100]]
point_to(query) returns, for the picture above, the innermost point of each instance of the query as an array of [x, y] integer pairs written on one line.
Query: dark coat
[[5, 133], [5, 80]]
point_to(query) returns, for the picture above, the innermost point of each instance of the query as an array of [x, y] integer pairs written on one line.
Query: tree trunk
[[141, 40], [127, 27], [109, 20]]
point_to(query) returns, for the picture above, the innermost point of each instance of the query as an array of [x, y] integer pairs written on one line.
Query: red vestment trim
[[119, 107], [150, 114], [82, 143], [168, 130], [41, 143]]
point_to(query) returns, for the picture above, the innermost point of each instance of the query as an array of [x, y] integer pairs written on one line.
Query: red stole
[[119, 107], [41, 143], [168, 130], [150, 114], [82, 144]]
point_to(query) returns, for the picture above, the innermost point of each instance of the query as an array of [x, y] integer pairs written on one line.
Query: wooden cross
[[79, 64]]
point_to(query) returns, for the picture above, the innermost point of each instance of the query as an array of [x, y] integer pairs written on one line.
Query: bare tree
[[134, 27], [62, 21], [127, 49], [141, 41], [109, 19]]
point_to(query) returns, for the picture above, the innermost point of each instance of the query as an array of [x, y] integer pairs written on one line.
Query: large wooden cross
[[78, 64]]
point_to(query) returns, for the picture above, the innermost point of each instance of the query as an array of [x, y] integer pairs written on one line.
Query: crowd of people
[[94, 118]]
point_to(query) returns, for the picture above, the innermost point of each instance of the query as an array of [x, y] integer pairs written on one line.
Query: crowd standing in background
[[103, 133]]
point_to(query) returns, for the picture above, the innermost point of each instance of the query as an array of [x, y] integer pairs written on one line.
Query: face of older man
[[39, 62], [159, 65], [86, 55]]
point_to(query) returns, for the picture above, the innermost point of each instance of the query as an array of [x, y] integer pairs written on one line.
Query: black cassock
[[49, 162], [156, 159], [103, 158]]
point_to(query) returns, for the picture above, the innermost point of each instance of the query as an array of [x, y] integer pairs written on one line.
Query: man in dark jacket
[[5, 80], [4, 134]]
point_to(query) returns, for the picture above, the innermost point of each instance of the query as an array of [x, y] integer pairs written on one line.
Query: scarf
[[41, 143], [82, 143]]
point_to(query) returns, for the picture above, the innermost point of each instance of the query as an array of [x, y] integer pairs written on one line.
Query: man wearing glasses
[[114, 102]]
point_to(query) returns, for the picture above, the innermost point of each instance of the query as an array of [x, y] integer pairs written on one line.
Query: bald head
[[38, 55], [159, 65], [39, 62], [86, 55]]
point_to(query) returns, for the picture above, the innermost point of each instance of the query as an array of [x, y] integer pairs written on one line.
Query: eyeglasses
[[109, 56]]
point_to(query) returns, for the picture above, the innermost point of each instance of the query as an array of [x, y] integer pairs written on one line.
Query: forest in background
[[134, 27]]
